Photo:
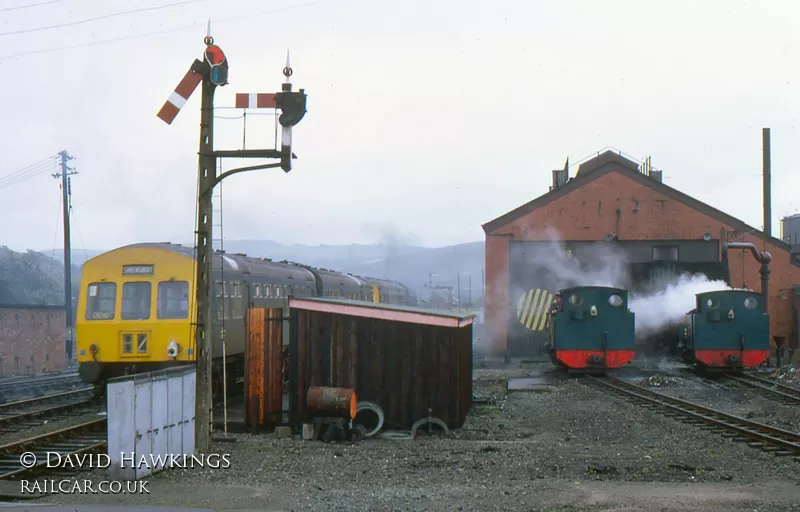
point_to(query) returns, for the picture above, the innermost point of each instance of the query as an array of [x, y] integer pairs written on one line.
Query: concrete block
[[308, 431], [283, 432]]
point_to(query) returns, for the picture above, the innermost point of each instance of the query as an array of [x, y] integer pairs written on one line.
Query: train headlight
[[593, 310], [173, 348]]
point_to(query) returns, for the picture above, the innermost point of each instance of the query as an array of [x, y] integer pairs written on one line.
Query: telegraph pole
[[66, 195], [213, 72]]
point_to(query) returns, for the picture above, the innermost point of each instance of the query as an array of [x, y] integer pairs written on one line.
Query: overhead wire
[[29, 6], [58, 224], [28, 172], [153, 33], [103, 17]]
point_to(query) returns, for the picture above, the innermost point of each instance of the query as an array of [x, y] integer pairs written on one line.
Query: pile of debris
[[789, 374], [660, 381]]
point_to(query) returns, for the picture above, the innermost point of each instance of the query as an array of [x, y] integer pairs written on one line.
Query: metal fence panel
[[150, 419]]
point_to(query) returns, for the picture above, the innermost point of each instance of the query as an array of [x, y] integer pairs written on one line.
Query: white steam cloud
[[658, 310]]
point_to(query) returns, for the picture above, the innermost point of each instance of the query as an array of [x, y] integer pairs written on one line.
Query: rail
[[84, 438], [770, 439], [25, 385], [786, 394], [15, 416]]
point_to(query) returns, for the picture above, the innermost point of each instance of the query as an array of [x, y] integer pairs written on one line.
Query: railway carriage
[[591, 329], [137, 305]]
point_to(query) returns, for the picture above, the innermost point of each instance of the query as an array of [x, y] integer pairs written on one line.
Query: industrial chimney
[[766, 186]]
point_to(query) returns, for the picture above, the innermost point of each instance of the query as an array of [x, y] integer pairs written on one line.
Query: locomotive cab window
[[173, 300], [136, 300], [712, 303], [615, 300], [575, 299], [750, 302], [100, 301]]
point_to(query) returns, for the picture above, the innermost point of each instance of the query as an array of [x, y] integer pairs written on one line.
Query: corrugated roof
[[612, 162], [381, 311]]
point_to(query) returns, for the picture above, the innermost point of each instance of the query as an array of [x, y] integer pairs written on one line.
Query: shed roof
[[380, 311], [608, 162]]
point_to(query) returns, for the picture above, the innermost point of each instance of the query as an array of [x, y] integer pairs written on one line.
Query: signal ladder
[[218, 244]]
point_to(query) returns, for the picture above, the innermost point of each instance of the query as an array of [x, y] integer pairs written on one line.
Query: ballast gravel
[[562, 445]]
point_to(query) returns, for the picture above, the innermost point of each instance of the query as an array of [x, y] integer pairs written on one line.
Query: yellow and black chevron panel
[[533, 308]]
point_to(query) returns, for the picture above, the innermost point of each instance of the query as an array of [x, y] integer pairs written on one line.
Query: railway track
[[15, 416], [757, 435], [89, 437], [37, 386], [785, 394]]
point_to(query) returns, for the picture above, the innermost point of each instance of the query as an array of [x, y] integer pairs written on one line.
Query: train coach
[[591, 329], [136, 306], [727, 330]]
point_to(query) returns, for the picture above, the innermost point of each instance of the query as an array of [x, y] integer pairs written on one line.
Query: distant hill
[[79, 256], [415, 266], [34, 278]]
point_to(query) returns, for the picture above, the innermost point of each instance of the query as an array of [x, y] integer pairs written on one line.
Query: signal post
[[212, 72]]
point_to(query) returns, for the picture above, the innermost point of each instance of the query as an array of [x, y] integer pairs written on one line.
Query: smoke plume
[[660, 309], [602, 265]]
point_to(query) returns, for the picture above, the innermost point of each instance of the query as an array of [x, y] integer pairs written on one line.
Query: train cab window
[[136, 300], [712, 303], [750, 302], [100, 301], [173, 300]]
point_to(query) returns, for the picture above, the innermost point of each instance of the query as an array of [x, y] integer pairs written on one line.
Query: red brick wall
[[590, 212], [36, 333]]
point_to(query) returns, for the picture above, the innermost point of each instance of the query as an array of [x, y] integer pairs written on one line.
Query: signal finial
[[287, 71], [208, 39]]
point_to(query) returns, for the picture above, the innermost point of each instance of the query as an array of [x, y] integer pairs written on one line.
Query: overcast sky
[[425, 118]]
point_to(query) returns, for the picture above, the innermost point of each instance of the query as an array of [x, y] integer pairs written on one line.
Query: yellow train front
[[134, 312], [136, 307]]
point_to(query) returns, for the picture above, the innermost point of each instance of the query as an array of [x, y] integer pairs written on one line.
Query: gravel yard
[[738, 400], [561, 446]]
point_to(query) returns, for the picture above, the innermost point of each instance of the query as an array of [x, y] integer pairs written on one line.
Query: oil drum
[[331, 402]]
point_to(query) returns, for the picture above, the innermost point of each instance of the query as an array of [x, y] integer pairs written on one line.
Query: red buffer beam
[[179, 97]]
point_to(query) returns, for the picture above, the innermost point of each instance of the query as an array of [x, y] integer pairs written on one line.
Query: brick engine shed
[[662, 231], [32, 339]]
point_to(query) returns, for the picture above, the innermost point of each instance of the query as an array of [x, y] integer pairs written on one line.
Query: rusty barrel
[[331, 402]]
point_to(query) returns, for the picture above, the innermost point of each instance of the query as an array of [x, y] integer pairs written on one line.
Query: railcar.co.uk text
[[83, 487]]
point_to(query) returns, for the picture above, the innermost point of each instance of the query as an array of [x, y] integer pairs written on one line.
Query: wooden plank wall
[[406, 368], [263, 368]]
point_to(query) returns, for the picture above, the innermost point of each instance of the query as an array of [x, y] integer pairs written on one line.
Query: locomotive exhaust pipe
[[762, 257]]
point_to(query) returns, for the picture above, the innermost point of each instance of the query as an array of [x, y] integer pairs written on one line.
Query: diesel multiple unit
[[136, 307]]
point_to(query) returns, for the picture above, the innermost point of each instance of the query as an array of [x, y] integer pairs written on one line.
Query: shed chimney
[[767, 191]]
